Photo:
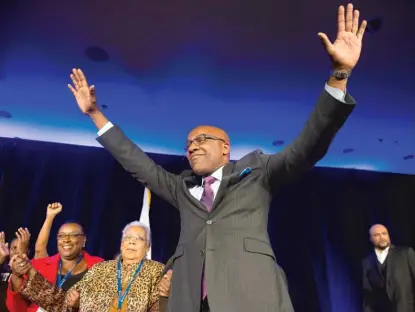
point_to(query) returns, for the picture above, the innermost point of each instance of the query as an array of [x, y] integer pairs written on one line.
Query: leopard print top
[[98, 289]]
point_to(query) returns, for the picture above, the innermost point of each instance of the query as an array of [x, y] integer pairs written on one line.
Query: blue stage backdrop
[[318, 225], [254, 68]]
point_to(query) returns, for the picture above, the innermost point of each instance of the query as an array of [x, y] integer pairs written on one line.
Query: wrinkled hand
[[345, 51], [72, 298], [23, 240], [20, 264], [164, 284], [4, 248], [54, 209], [84, 94]]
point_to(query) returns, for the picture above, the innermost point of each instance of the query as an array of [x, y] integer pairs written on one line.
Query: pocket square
[[245, 172]]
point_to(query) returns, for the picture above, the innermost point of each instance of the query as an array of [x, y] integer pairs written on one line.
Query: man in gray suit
[[165, 283], [224, 260]]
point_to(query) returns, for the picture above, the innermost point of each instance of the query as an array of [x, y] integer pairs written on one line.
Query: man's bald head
[[379, 236], [207, 149]]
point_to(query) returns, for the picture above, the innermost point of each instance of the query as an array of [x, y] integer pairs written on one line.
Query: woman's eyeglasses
[[62, 236], [133, 238]]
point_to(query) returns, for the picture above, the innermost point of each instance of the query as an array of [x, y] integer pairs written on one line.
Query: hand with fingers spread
[[23, 240], [346, 49], [86, 99], [4, 248], [83, 93], [54, 209]]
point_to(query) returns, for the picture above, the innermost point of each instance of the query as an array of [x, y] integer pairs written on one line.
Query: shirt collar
[[381, 252], [217, 174]]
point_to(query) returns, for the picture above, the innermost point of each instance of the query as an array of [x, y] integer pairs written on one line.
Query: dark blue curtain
[[318, 224]]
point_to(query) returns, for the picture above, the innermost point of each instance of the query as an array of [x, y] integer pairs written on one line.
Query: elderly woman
[[128, 284]]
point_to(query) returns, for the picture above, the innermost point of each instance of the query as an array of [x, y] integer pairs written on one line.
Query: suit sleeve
[[411, 263], [312, 143], [367, 291], [163, 302], [139, 165]]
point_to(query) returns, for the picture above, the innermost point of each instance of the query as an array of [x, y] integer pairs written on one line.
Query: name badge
[[41, 310]]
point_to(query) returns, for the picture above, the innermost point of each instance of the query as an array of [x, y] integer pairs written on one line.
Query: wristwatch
[[341, 75]]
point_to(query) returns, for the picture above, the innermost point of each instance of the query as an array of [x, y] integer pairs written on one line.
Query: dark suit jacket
[[398, 281], [232, 239]]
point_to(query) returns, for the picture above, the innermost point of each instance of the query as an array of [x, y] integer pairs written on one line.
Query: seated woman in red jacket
[[64, 269]]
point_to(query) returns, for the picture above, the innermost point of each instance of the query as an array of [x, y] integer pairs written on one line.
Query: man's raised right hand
[[83, 93]]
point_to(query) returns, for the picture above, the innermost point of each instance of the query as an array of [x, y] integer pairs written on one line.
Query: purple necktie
[[207, 201], [208, 196]]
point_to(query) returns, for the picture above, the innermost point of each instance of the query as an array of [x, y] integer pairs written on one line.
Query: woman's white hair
[[141, 225]]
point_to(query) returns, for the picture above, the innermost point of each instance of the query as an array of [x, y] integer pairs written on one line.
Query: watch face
[[341, 75]]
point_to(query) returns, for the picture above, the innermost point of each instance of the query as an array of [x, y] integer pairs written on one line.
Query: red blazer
[[48, 267]]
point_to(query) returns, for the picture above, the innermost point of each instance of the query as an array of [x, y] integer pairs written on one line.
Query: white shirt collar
[[381, 254]]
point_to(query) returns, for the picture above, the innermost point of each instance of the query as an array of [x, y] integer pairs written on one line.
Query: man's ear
[[227, 148]]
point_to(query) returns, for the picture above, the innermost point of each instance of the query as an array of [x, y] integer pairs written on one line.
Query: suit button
[[209, 222], [202, 253]]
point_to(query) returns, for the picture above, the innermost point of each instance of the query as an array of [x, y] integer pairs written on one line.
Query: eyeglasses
[[63, 236], [133, 238], [200, 139]]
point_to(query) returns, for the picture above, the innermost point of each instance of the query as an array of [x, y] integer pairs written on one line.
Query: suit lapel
[[226, 177], [390, 261], [190, 180]]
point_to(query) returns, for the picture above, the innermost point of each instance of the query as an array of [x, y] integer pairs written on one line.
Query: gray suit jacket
[[232, 240], [163, 302]]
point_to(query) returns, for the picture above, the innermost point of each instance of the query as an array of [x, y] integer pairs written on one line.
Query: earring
[[84, 245]]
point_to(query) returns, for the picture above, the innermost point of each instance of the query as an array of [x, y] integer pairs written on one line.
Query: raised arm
[[50, 297], [331, 111], [314, 140], [43, 238], [128, 154], [44, 294]]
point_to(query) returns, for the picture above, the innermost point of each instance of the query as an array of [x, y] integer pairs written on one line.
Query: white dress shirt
[[197, 190], [382, 254]]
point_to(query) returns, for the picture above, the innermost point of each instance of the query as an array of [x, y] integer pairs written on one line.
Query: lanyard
[[122, 298], [60, 281]]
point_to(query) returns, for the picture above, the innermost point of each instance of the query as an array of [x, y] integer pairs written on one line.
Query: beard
[[383, 245]]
